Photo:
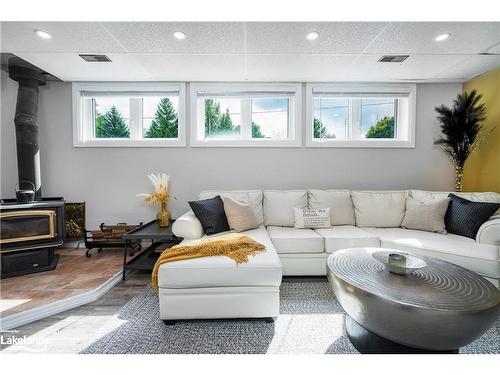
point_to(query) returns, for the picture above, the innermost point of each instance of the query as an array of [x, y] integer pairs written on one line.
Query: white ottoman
[[215, 288]]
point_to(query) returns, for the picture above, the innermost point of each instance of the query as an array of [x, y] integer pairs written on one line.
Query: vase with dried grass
[[160, 197], [462, 130]]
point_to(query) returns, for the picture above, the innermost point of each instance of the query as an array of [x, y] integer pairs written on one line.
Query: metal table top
[[440, 285]]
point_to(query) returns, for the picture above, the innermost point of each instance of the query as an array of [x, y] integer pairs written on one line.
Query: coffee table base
[[367, 342]]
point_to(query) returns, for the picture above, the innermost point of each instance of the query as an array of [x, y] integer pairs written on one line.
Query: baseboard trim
[[40, 312]]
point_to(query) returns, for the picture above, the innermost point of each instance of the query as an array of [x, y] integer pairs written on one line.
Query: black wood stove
[[31, 227], [28, 234]]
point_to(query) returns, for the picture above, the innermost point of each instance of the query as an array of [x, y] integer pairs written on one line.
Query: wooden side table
[[147, 258]]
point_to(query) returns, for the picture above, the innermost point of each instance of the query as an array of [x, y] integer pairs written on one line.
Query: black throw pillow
[[211, 214], [464, 217]]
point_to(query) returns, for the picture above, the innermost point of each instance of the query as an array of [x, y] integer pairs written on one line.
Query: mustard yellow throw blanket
[[234, 246]]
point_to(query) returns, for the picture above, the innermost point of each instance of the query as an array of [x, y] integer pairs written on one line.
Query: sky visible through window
[[272, 117], [334, 113], [104, 103], [271, 114], [374, 110]]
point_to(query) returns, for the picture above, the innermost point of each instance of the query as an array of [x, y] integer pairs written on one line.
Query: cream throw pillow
[[309, 218], [428, 216], [240, 215]]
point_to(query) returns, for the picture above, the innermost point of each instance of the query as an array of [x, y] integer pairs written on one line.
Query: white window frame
[[294, 112], [83, 134], [407, 90]]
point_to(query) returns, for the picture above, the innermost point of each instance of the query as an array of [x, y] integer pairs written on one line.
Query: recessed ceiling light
[[179, 35], [43, 34], [442, 37], [313, 35]]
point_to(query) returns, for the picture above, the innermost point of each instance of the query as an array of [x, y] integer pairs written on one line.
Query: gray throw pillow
[[427, 216]]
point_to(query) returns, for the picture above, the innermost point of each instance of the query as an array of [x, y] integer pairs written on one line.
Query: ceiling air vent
[[95, 58], [393, 58]]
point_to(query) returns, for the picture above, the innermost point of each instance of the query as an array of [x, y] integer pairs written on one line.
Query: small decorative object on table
[[160, 196], [399, 263]]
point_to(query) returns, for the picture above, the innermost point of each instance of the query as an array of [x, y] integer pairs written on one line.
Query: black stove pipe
[[26, 122]]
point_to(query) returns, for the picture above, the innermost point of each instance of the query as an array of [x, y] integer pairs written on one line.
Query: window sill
[[130, 143], [361, 144], [245, 143]]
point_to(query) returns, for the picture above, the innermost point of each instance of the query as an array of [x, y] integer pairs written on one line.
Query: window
[[360, 115], [264, 115], [128, 114]]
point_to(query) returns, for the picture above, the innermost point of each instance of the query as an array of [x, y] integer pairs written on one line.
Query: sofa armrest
[[489, 232], [188, 226]]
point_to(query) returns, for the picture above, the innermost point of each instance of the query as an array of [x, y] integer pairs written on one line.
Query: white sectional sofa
[[359, 219]]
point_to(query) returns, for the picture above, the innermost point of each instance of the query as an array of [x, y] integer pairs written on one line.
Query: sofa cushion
[[344, 237], [279, 205], [407, 239], [293, 240], [465, 217], [381, 209], [423, 195], [253, 196], [263, 269], [339, 202]]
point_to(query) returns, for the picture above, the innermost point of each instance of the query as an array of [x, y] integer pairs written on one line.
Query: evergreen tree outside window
[[222, 118], [320, 131], [129, 114], [165, 123], [111, 125]]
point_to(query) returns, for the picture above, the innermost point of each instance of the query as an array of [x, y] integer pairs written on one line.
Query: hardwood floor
[[69, 331]]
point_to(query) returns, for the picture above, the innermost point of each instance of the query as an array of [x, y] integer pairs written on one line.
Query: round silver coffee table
[[438, 308]]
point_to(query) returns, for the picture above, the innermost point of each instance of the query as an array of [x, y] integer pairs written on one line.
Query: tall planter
[[461, 128], [459, 175]]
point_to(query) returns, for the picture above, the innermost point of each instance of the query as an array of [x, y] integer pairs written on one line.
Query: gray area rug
[[310, 321]]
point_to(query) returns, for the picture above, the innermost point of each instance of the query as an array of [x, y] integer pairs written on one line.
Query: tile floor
[[75, 274]]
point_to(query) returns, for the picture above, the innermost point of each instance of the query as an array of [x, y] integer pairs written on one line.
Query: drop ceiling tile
[[290, 37], [201, 37], [472, 67], [416, 67], [418, 37], [82, 37], [297, 67], [193, 67], [71, 67]]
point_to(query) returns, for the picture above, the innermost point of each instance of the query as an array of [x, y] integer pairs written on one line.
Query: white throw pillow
[[255, 197], [427, 216], [279, 205], [379, 209], [240, 215], [312, 218], [424, 195], [339, 201]]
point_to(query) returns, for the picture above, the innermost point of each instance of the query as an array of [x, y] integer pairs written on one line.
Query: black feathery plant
[[461, 126], [462, 130]]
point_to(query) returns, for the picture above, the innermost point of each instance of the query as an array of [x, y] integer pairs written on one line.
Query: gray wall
[[108, 179]]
